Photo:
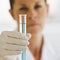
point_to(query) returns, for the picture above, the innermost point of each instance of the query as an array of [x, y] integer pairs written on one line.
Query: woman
[[37, 12]]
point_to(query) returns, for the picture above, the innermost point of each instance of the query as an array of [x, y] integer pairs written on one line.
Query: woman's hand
[[13, 43]]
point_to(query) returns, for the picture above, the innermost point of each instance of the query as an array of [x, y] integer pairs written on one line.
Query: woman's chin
[[34, 29]]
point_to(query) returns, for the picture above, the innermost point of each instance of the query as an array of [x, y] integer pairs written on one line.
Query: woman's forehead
[[28, 1]]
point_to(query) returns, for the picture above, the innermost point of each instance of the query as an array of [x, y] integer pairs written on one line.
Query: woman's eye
[[37, 6], [23, 9]]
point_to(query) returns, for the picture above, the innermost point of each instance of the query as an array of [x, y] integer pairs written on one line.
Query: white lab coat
[[51, 47]]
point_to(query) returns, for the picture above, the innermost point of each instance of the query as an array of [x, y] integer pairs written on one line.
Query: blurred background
[[53, 22]]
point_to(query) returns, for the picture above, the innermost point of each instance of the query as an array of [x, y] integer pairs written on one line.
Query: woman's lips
[[32, 25]]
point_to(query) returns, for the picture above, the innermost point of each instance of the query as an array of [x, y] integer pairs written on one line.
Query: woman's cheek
[[41, 19]]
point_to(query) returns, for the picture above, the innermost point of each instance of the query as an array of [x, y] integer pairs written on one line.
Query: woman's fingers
[[12, 38], [9, 52], [17, 42], [16, 35], [13, 43], [29, 36], [14, 47]]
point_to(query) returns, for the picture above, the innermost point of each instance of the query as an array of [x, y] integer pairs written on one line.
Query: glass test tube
[[23, 30]]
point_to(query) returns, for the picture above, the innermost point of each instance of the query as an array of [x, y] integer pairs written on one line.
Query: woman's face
[[36, 10]]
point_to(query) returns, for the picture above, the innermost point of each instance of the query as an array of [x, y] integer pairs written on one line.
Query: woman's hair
[[12, 2]]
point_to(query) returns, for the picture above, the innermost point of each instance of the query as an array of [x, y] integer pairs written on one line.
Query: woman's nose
[[32, 15]]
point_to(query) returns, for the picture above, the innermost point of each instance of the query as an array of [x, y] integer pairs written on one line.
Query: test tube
[[23, 30]]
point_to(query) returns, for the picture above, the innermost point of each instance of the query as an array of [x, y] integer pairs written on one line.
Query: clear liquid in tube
[[23, 30]]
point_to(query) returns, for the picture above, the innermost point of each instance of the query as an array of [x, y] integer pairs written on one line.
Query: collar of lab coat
[[48, 52]]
